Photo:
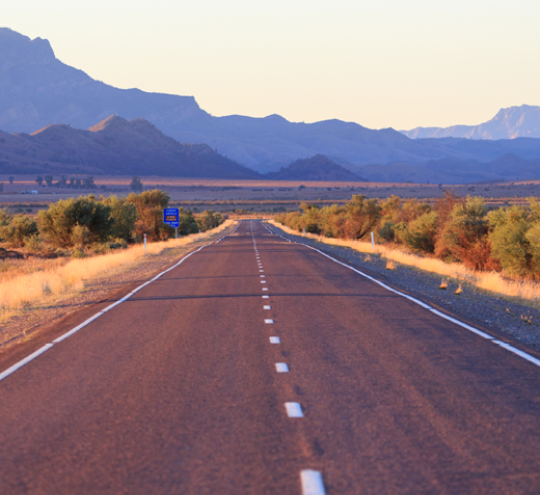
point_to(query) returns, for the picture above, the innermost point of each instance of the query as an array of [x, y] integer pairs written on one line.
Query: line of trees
[[455, 229], [72, 182], [100, 224]]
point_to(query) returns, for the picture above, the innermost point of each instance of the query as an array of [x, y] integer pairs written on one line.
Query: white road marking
[[282, 368], [269, 322], [266, 297], [263, 281], [524, 355], [312, 482], [265, 288], [46, 347], [478, 332], [294, 410], [262, 276], [274, 340], [26, 360], [267, 307]]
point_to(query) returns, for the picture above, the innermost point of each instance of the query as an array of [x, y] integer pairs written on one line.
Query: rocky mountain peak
[[18, 49]]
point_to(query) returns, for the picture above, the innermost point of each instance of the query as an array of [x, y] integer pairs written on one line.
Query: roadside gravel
[[511, 316]]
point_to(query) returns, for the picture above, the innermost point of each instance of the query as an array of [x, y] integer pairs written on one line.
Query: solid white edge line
[[312, 482], [522, 354], [478, 332], [24, 361], [69, 333]]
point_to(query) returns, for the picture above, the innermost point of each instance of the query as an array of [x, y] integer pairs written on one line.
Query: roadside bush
[[361, 217], [464, 237], [92, 218], [515, 239], [209, 220], [124, 214], [422, 233], [149, 206], [17, 229]]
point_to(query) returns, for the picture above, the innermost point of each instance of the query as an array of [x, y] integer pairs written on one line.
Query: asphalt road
[[176, 390]]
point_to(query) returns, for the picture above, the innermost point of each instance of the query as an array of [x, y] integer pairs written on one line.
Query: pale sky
[[381, 63]]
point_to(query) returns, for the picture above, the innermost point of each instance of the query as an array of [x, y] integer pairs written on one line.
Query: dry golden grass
[[489, 281], [390, 265], [50, 280], [444, 284]]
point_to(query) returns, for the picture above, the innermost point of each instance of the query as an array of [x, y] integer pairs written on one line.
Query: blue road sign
[[171, 217]]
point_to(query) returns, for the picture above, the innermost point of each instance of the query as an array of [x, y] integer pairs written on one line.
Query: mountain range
[[37, 89], [509, 123], [113, 147]]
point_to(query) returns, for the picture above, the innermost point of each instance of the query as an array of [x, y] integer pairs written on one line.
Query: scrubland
[[496, 250], [35, 281]]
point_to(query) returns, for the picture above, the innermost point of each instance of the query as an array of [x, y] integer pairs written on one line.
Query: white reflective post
[[144, 243]]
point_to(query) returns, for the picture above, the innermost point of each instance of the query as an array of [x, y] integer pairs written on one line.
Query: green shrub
[[422, 233], [19, 228], [514, 239], [92, 218], [124, 214], [150, 206]]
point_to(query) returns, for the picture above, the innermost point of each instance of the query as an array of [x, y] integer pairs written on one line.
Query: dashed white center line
[[262, 276], [265, 288], [274, 340], [263, 281], [293, 410], [282, 368], [266, 297], [312, 482], [269, 322], [267, 307]]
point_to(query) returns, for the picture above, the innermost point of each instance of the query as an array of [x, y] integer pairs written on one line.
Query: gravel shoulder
[[506, 316]]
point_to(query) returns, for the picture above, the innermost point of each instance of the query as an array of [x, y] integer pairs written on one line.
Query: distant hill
[[509, 123], [453, 170], [317, 168], [113, 147]]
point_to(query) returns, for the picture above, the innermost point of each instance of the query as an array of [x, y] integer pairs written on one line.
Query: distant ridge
[[114, 146], [509, 123], [316, 168]]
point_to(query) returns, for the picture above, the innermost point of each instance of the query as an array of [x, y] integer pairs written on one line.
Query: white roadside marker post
[[144, 243], [373, 242]]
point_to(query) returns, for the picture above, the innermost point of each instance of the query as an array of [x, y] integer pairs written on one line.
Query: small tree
[[136, 184], [49, 180], [58, 222], [88, 183], [124, 215], [150, 205], [18, 230], [11, 178], [39, 180], [1, 187]]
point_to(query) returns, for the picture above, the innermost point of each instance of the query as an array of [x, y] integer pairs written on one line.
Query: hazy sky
[[381, 63]]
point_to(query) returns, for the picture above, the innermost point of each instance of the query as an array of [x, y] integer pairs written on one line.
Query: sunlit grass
[[53, 278]]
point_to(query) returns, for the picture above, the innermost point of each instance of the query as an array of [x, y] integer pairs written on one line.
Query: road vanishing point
[[262, 366]]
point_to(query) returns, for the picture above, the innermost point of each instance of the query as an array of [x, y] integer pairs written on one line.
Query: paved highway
[[260, 366]]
